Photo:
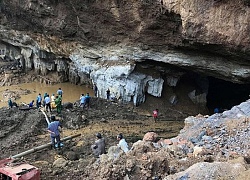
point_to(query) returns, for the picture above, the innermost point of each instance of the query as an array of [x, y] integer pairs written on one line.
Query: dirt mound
[[143, 161], [18, 129]]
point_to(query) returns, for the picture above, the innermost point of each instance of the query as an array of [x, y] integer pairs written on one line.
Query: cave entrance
[[219, 93], [224, 95]]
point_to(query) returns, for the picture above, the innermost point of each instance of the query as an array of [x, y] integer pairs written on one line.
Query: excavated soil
[[22, 130], [25, 129]]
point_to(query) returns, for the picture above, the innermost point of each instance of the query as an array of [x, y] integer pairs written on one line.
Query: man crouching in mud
[[98, 147]]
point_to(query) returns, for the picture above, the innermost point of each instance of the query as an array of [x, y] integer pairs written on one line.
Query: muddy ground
[[25, 129], [22, 130]]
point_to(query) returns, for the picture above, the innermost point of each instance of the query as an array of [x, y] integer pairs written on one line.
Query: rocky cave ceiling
[[208, 37]]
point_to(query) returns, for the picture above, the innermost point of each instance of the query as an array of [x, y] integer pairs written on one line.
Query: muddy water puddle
[[132, 130], [71, 92]]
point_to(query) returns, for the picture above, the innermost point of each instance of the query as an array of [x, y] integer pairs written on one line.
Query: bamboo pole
[[41, 147]]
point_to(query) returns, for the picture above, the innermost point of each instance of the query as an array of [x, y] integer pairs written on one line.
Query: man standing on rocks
[[108, 94], [95, 90], [98, 147], [53, 129], [122, 143]]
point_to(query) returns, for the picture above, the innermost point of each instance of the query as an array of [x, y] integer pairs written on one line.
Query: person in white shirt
[[82, 101], [122, 143]]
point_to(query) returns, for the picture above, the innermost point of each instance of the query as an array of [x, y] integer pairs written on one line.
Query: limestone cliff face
[[104, 41], [159, 23], [214, 22]]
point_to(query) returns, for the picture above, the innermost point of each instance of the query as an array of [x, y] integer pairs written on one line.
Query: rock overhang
[[177, 25]]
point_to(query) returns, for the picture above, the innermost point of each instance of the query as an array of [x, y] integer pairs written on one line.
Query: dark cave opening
[[224, 95], [221, 94]]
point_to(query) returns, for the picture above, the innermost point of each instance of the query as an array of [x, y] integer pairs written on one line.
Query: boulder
[[150, 136], [205, 170], [68, 105], [60, 163]]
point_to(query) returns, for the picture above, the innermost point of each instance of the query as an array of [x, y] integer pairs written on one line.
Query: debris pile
[[208, 147]]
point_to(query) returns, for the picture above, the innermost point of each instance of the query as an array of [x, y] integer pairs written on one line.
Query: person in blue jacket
[[59, 92], [38, 101], [31, 104], [53, 129]]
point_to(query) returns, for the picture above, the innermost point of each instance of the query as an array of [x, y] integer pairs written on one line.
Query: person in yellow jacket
[[53, 105]]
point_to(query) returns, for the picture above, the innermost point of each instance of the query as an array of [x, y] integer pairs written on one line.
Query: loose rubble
[[208, 147]]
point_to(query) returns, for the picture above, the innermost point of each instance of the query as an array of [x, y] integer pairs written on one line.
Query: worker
[[98, 147], [38, 101], [10, 103], [47, 103], [155, 114], [52, 98], [108, 93], [58, 102], [53, 129], [31, 104], [82, 101], [44, 96], [59, 92], [216, 110], [95, 90], [122, 143], [87, 101]]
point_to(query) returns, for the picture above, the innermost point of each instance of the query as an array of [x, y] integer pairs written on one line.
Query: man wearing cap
[[98, 147], [53, 129], [122, 143]]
